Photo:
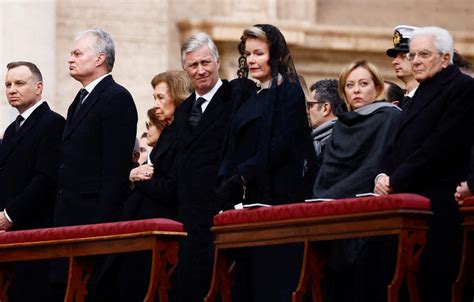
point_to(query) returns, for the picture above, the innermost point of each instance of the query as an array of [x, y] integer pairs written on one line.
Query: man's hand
[[382, 185], [5, 225], [462, 191]]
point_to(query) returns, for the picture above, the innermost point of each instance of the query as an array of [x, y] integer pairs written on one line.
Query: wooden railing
[[404, 215], [81, 243], [466, 269]]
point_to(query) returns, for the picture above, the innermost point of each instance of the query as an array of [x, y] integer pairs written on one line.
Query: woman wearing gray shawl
[[349, 167]]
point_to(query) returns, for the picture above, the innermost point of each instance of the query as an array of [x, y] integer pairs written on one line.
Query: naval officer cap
[[401, 39]]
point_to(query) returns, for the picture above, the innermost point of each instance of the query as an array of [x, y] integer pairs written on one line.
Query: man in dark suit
[[29, 157], [430, 154], [201, 122], [98, 139]]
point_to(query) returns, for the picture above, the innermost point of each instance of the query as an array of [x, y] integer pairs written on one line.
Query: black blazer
[[151, 198], [200, 151], [28, 169], [431, 145], [197, 165], [96, 156], [430, 156]]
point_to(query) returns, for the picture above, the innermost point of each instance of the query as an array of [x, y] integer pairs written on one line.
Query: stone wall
[[323, 35]]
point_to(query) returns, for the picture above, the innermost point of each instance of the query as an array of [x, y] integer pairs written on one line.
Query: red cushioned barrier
[[92, 230], [468, 202], [325, 208]]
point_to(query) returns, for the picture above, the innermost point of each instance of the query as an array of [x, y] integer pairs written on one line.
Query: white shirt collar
[[26, 114], [94, 83], [412, 93], [208, 96]]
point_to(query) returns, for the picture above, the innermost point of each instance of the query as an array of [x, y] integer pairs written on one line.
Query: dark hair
[[460, 61], [327, 91], [394, 92], [153, 118], [32, 67], [280, 61]]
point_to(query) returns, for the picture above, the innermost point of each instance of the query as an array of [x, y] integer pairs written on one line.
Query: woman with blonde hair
[[351, 156], [362, 266]]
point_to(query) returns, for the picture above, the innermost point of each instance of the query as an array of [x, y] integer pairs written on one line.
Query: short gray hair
[[441, 37], [197, 41], [104, 44]]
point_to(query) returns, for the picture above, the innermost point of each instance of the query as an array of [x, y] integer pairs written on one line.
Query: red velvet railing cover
[[91, 230], [468, 202], [324, 208]]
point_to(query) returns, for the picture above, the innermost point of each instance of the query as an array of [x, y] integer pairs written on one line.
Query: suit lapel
[[89, 103], [426, 94], [13, 139], [212, 112]]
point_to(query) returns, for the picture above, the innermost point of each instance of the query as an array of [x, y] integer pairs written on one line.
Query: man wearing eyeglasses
[[400, 62], [322, 108], [431, 152]]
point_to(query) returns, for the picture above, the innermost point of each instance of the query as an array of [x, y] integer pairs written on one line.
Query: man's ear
[[326, 109], [446, 59], [100, 59], [39, 87]]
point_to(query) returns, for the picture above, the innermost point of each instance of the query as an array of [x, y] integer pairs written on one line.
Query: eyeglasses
[[424, 54]]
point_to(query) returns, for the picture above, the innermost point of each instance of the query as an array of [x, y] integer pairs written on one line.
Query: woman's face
[[258, 56], [360, 88], [152, 135], [164, 104]]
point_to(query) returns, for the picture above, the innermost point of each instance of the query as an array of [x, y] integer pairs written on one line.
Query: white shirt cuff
[[7, 217]]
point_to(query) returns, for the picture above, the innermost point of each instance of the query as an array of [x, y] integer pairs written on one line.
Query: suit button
[[60, 191]]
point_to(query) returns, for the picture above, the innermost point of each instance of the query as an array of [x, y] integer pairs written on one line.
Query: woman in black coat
[[149, 197], [264, 156]]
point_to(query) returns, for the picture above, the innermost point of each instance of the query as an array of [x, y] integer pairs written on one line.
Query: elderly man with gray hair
[[96, 148], [431, 151]]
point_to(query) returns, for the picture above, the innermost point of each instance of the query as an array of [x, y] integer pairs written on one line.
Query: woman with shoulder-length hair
[[350, 162], [152, 194], [362, 266], [264, 155]]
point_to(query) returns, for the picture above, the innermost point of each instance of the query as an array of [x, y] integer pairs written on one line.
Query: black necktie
[[197, 112], [18, 121], [82, 95]]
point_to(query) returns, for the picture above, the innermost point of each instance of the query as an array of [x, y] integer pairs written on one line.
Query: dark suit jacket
[[28, 176], [197, 165], [28, 169], [430, 156], [96, 156], [150, 198]]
